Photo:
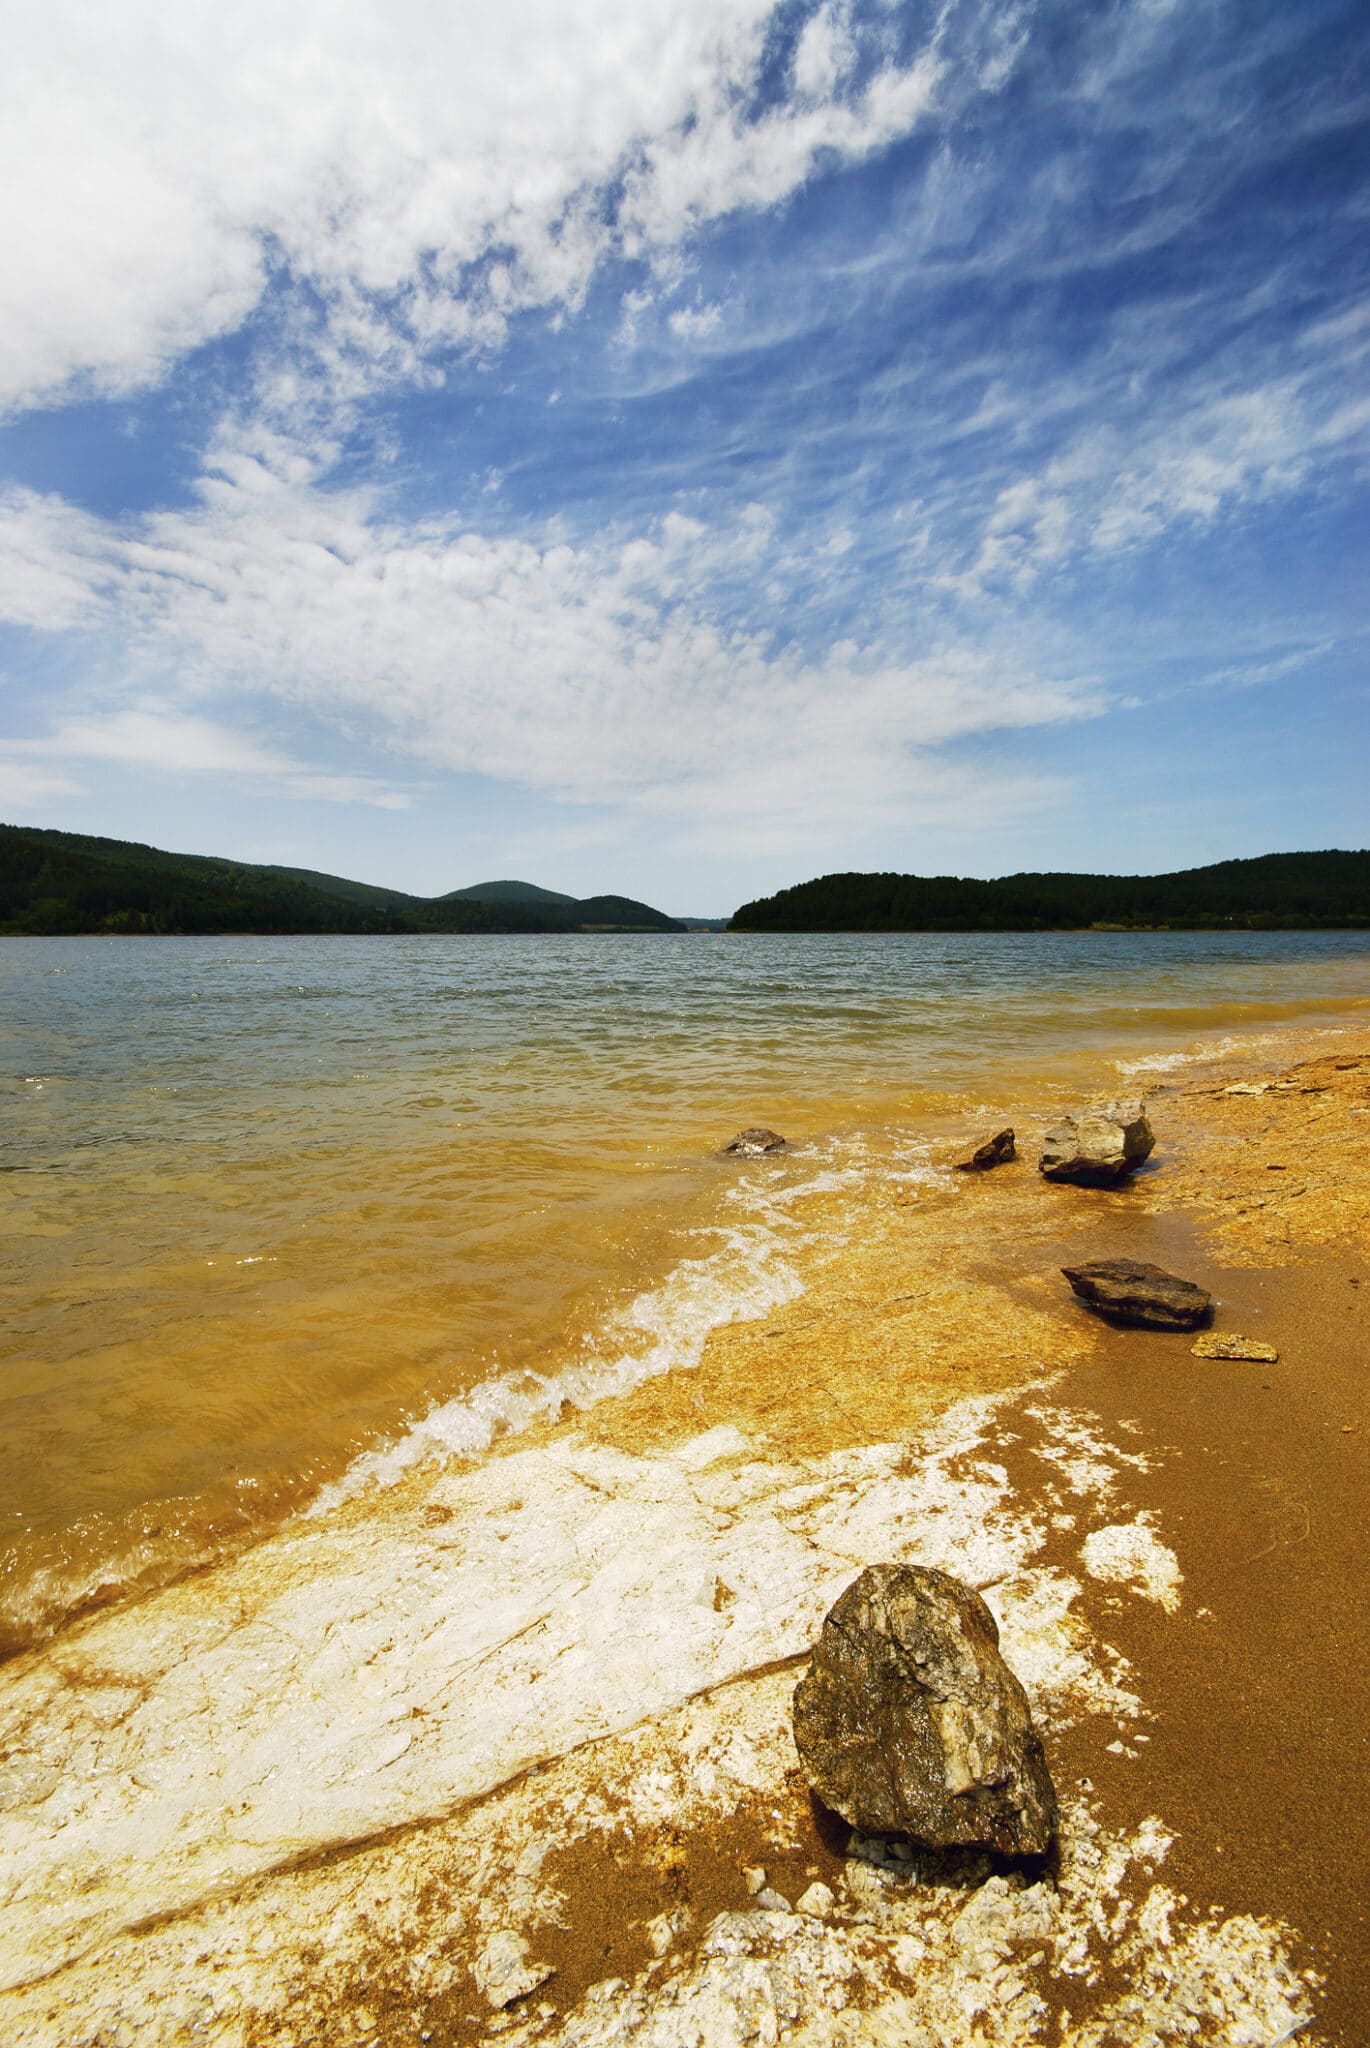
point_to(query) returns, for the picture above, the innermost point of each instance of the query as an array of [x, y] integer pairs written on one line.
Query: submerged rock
[[750, 1144], [908, 1721], [1230, 1345], [994, 1152], [1098, 1146], [1128, 1291]]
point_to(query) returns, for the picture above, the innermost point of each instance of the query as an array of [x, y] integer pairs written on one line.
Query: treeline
[[68, 883], [1275, 892]]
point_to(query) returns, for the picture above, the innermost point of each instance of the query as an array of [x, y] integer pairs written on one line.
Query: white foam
[[665, 1329], [1196, 1055]]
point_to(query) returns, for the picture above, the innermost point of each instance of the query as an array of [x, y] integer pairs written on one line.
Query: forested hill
[[58, 883], [1277, 891]]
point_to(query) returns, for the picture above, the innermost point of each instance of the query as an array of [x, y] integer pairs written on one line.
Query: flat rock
[[994, 1152], [1097, 1146], [1128, 1291], [908, 1721], [1230, 1345], [750, 1144]]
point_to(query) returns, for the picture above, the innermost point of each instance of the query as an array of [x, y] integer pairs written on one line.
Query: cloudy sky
[[685, 449]]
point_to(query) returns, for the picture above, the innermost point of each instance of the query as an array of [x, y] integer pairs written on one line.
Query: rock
[[771, 1901], [1099, 1146], [754, 1877], [1128, 1291], [993, 1152], [665, 1930], [504, 1971], [1233, 1346], [817, 1901], [750, 1144], [908, 1721]]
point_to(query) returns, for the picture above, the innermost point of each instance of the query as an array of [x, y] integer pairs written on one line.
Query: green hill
[[1278, 891], [507, 892], [55, 883]]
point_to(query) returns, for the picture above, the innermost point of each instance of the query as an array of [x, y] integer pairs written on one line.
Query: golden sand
[[1249, 1746]]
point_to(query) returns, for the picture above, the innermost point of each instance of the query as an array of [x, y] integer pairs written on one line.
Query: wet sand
[[1257, 1740], [1259, 1745], [1230, 1707]]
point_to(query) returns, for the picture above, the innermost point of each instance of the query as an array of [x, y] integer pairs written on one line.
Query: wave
[[752, 1272]]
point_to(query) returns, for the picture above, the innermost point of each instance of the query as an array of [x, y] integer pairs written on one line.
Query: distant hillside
[[1278, 891], [347, 892], [55, 883], [507, 892]]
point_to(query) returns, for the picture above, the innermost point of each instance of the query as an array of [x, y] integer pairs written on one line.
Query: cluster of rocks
[[1094, 1147], [908, 1722], [1098, 1146]]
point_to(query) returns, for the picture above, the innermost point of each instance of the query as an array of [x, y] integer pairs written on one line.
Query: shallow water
[[284, 1210]]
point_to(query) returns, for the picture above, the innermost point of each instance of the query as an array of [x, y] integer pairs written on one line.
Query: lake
[[286, 1215]]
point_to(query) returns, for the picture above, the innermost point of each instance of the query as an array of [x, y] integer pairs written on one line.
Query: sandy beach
[[504, 1751]]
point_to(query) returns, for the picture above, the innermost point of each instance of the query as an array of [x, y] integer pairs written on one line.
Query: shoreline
[[759, 1482]]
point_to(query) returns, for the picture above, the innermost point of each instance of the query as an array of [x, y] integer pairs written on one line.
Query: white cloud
[[825, 52], [1105, 492], [425, 169], [54, 561], [166, 740], [25, 786], [595, 673], [695, 323]]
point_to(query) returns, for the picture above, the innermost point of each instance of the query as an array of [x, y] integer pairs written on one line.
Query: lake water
[[285, 1215]]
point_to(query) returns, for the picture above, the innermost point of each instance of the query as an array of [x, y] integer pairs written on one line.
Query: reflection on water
[[269, 1202]]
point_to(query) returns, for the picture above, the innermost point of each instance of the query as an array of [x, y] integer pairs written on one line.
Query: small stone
[[1098, 1146], [754, 1877], [994, 1152], [504, 1971], [664, 1931], [1232, 1346], [817, 1901], [909, 1722], [750, 1144], [1130, 1291], [771, 1901]]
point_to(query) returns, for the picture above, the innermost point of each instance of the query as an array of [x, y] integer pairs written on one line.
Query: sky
[[681, 450]]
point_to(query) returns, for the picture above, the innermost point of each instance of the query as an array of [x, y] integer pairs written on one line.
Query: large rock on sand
[[1128, 1291], [908, 1721], [1099, 1146]]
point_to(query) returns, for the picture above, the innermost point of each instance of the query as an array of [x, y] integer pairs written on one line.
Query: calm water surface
[[270, 1203]]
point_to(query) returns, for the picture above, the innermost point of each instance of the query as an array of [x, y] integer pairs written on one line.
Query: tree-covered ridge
[[57, 883], [1280, 891]]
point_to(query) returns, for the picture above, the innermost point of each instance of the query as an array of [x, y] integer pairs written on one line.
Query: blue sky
[[683, 451]]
